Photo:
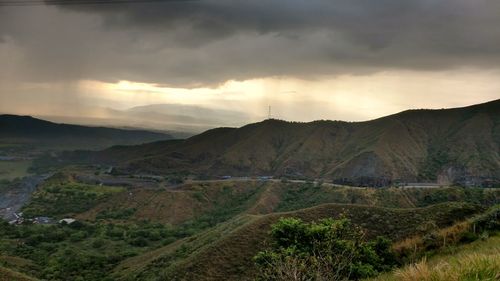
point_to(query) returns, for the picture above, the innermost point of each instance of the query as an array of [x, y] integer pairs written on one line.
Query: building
[[67, 220]]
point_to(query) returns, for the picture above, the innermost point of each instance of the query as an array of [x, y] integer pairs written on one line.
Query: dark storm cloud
[[452, 25], [203, 42]]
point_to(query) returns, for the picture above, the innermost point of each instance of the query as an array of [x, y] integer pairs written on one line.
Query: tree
[[325, 250]]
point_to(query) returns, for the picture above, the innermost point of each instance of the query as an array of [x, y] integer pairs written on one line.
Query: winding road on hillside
[[240, 179]]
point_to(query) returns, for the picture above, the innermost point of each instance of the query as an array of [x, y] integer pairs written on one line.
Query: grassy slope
[[247, 210], [479, 260], [297, 196], [191, 202], [10, 275], [229, 256], [224, 200], [152, 263], [15, 268]]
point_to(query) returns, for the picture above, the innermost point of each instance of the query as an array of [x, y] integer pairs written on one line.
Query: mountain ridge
[[38, 131], [448, 146]]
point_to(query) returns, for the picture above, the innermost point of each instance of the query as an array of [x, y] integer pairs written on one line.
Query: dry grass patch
[[10, 275], [477, 261]]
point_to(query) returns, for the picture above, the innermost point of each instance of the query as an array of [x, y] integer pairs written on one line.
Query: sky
[[224, 62]]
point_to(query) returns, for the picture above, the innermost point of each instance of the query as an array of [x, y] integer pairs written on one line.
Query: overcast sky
[[308, 59]]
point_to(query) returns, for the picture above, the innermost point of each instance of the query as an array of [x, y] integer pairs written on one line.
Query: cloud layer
[[206, 42]]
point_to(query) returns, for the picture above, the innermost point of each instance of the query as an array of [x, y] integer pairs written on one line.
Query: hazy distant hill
[[174, 118], [450, 145], [17, 130], [188, 115]]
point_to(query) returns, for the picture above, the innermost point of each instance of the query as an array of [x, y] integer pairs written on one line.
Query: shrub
[[77, 236], [98, 243], [139, 242], [324, 250]]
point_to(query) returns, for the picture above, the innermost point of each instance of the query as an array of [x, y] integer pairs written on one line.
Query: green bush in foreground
[[324, 250]]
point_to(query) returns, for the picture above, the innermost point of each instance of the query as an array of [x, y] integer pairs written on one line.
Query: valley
[[208, 230], [204, 208]]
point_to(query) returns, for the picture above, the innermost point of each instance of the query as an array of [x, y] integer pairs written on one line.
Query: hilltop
[[448, 146]]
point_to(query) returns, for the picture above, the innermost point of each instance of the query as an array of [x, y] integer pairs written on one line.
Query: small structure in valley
[[67, 221]]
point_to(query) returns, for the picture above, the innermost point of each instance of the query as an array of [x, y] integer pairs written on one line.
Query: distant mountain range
[[21, 130], [447, 146], [174, 118]]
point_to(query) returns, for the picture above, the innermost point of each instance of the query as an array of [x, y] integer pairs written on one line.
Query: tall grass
[[477, 261], [413, 248], [468, 267]]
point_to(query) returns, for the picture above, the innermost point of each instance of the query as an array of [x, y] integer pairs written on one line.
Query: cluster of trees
[[67, 198], [325, 250], [117, 214], [81, 251]]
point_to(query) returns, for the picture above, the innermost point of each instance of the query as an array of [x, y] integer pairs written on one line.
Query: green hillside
[[448, 146], [225, 252], [203, 230], [204, 204]]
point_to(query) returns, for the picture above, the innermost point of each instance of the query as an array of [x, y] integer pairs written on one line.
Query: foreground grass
[[477, 261]]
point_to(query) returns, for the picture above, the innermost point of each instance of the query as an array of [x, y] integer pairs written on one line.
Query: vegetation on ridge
[[452, 146]]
